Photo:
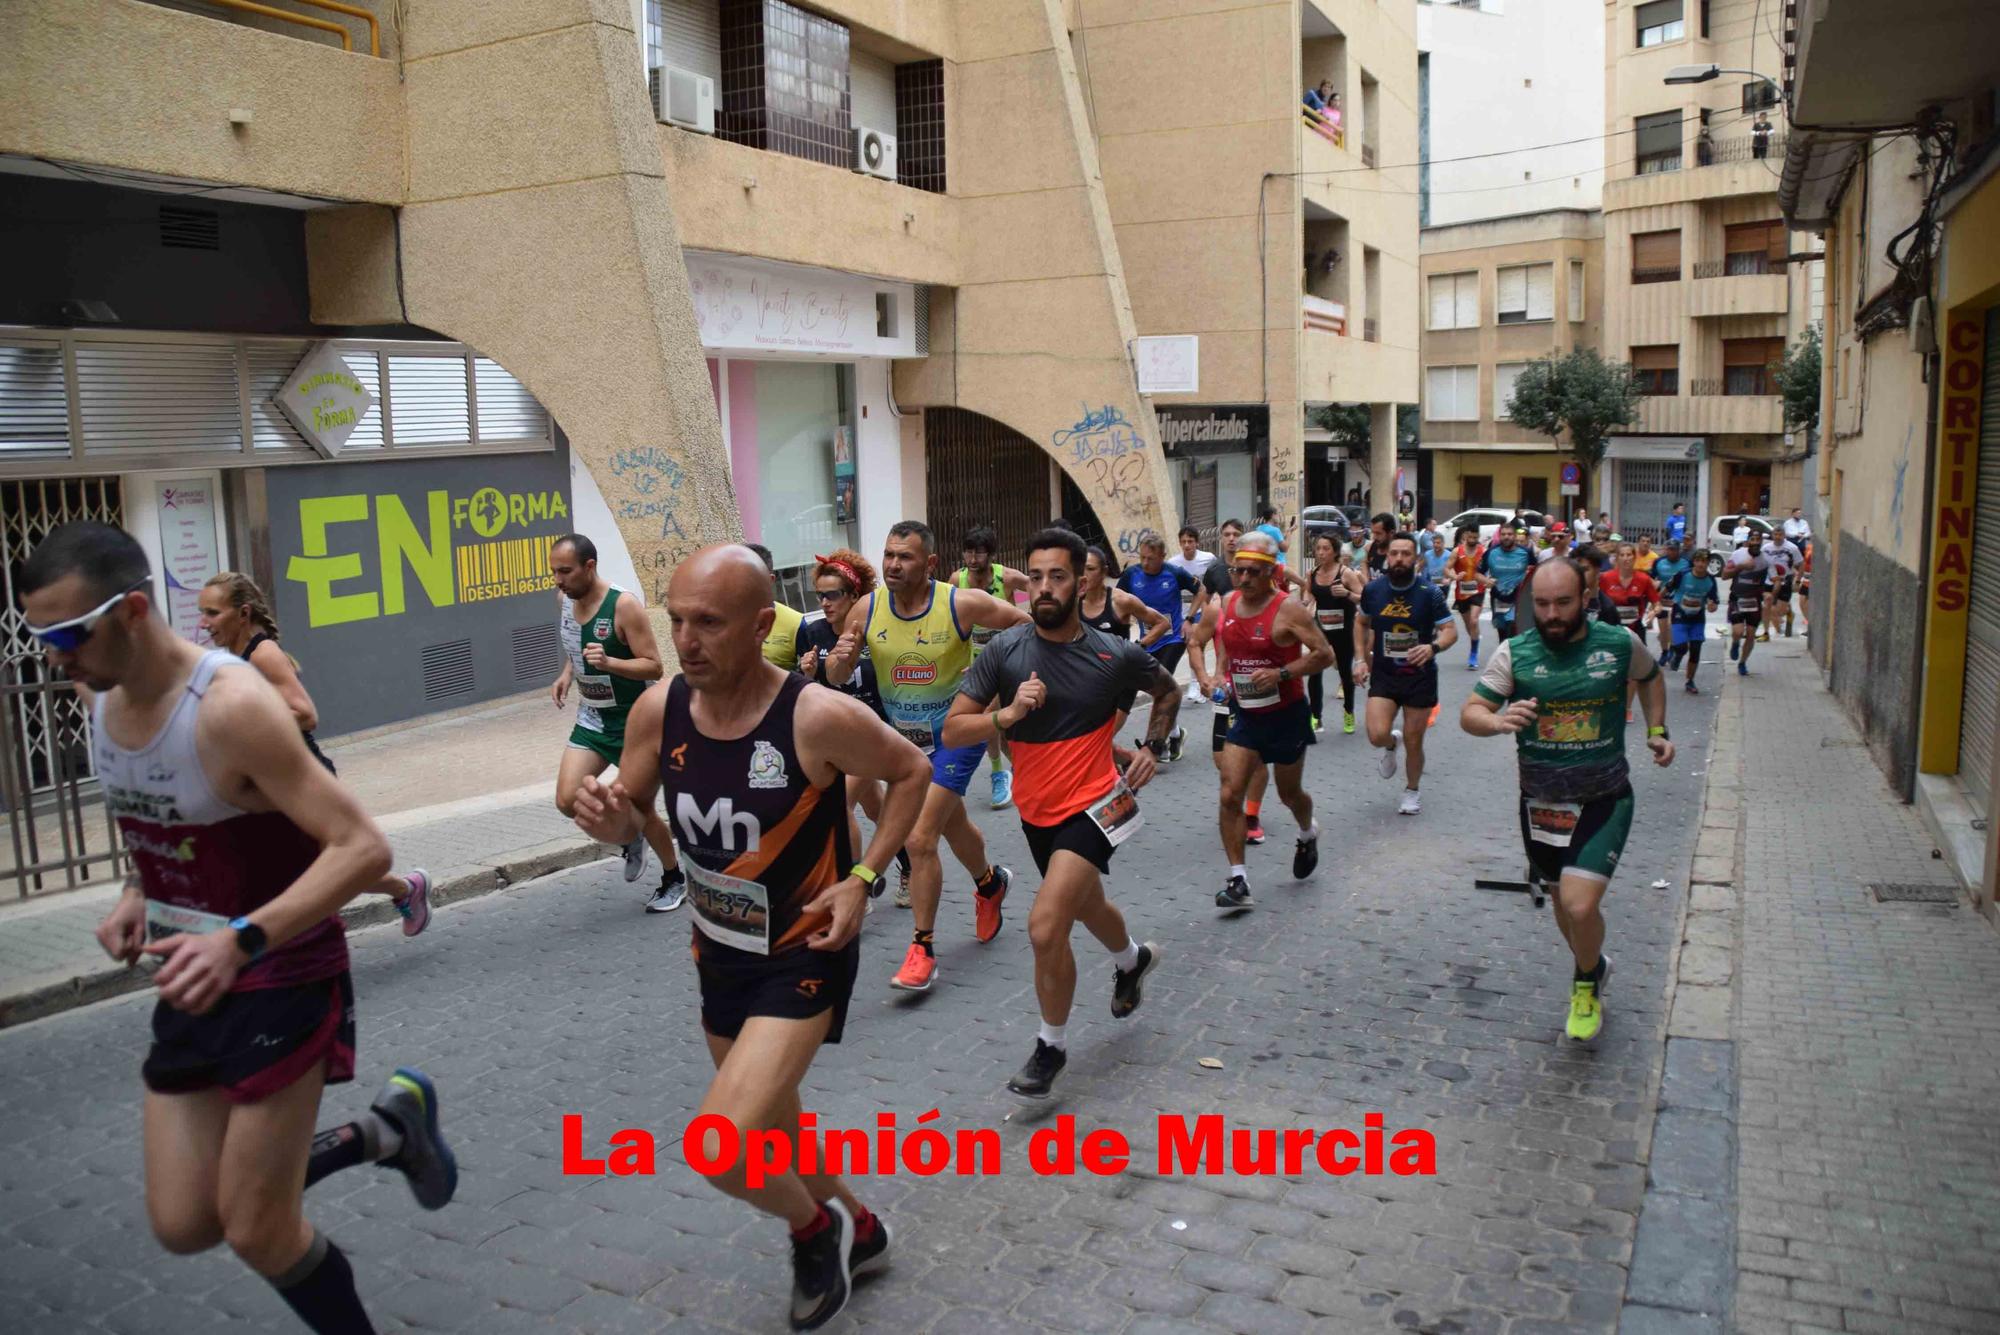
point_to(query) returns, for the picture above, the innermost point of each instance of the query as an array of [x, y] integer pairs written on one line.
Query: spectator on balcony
[[1760, 136], [1322, 110], [1704, 148]]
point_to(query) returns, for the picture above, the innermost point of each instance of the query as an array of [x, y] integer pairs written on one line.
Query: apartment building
[[1906, 576], [1287, 248], [1705, 284], [1500, 293]]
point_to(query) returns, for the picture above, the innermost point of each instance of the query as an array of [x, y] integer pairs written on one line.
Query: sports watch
[[250, 937]]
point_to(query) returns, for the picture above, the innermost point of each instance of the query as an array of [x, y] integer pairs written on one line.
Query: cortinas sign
[[324, 399]]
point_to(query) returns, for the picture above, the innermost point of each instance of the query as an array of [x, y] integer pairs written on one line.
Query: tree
[[1579, 394], [1799, 380], [1351, 426]]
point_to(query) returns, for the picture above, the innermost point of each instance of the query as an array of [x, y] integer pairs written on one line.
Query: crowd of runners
[[744, 772]]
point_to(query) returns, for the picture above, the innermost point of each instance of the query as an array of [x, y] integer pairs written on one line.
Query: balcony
[[352, 26], [1336, 369], [1723, 180], [1715, 295], [1371, 331], [1708, 411]]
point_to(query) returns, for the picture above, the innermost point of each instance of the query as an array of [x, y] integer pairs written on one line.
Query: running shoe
[[1387, 764], [1764, 636], [1693, 689], [1038, 1077], [410, 1101], [1176, 743], [1586, 1016], [1125, 983], [1315, 718], [919, 971], [415, 905], [902, 886], [1234, 895], [1603, 975], [1348, 726], [1253, 830], [635, 858], [871, 1250], [673, 890], [1742, 669], [1472, 663], [820, 1283], [1306, 856], [1411, 803], [1003, 787], [986, 907], [1432, 722], [1734, 646]]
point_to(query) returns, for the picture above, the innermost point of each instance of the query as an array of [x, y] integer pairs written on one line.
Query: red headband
[[847, 571]]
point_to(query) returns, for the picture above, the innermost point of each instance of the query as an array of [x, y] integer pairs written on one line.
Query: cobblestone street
[[1385, 984]]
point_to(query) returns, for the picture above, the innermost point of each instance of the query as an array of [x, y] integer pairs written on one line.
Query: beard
[[1560, 632], [1049, 613]]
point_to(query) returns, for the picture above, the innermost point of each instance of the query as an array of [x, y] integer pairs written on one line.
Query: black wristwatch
[[1284, 674], [1158, 746], [250, 937]]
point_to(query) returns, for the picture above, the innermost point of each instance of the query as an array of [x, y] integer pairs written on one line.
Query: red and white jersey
[[1248, 643]]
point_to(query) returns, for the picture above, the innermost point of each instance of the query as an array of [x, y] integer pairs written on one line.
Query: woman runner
[[1113, 610], [1331, 589]]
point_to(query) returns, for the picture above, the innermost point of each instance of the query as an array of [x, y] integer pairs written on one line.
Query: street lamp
[[1680, 74]]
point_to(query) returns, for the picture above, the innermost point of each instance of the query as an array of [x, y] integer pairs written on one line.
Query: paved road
[[1384, 984]]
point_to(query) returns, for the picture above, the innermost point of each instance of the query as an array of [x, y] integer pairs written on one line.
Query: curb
[[451, 886]]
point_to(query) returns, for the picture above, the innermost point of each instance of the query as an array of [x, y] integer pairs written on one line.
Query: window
[[1754, 248], [1576, 291], [1504, 376], [1535, 494], [1478, 490], [1451, 393], [1657, 146], [1454, 301], [1661, 22], [1656, 256], [801, 408], [1657, 369], [1526, 292], [1750, 365]]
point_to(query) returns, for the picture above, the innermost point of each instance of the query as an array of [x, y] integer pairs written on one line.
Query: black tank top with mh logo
[[757, 840]]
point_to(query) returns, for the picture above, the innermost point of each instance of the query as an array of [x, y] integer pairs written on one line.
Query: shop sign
[[187, 551], [324, 399], [1951, 542], [1188, 429], [755, 306], [1168, 363]]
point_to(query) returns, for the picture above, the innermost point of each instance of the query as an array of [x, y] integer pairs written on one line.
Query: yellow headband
[[1266, 558]]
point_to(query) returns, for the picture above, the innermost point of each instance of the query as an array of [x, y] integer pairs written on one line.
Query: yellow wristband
[[865, 874]]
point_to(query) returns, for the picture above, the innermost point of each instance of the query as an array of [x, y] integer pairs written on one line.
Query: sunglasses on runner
[[827, 596], [66, 637]]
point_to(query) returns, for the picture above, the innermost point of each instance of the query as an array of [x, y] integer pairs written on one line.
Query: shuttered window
[[1657, 142], [34, 399], [146, 397], [1504, 376], [1454, 301], [1661, 21], [1657, 368], [1979, 720], [507, 411], [1576, 291], [1525, 292], [1656, 256], [1756, 248], [686, 34], [1750, 365], [427, 400], [871, 83], [1451, 393]]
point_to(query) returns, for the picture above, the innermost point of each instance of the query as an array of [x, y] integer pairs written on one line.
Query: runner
[[1115, 611], [1192, 559], [1380, 529], [1670, 565], [1677, 524], [1218, 582], [1267, 524], [1467, 586], [1644, 558], [1692, 594], [1749, 572], [1786, 558], [917, 631], [1160, 587], [243, 851], [1558, 540], [1436, 556], [1330, 591], [749, 759], [1553, 691], [1405, 625], [1805, 583], [782, 645], [980, 572], [1634, 597], [609, 654], [839, 579], [1063, 689], [1505, 565], [238, 617], [1265, 642]]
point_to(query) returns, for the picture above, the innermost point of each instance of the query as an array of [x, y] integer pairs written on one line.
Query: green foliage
[[1799, 380], [1349, 425], [1580, 395]]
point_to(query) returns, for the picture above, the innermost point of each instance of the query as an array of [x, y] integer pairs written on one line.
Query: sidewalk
[[468, 797]]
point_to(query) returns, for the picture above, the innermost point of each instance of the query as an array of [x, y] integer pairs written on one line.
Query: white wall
[[591, 517], [1501, 81], [878, 461]]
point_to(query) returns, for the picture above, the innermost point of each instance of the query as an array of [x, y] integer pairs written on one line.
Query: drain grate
[[1903, 892]]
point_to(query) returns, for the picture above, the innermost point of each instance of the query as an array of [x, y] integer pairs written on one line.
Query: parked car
[[1345, 523], [1722, 533], [1488, 521]]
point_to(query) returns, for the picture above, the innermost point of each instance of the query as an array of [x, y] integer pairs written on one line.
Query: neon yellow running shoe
[[1348, 726], [1586, 1013]]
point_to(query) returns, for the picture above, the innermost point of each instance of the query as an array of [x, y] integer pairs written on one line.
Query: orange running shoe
[[919, 971], [986, 908], [1434, 714]]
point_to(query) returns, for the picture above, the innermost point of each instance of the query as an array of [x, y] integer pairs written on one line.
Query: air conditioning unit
[[682, 97], [875, 153]]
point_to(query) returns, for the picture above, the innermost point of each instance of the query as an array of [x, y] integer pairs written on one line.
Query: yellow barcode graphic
[[504, 569]]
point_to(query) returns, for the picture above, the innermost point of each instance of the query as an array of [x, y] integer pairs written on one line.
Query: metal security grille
[[1977, 720], [447, 669], [536, 653], [982, 472], [1647, 490]]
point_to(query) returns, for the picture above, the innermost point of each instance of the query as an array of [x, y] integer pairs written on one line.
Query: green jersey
[[602, 700], [1574, 751], [981, 636]]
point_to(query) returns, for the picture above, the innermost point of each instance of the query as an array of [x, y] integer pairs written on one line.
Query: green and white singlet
[[602, 699], [1575, 749]]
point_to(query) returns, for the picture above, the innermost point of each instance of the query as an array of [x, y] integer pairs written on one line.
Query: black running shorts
[[1169, 655], [796, 985], [254, 1043], [1079, 834], [1416, 690], [1279, 736]]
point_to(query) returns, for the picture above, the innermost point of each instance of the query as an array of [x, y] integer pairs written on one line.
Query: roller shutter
[[1977, 719], [689, 35]]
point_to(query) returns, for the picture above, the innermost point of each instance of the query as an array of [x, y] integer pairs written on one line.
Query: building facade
[[1498, 294], [1906, 582], [1706, 287]]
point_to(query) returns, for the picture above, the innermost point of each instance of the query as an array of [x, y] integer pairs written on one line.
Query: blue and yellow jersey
[[919, 661]]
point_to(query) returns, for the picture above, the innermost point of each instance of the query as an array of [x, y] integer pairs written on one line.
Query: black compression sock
[[923, 938], [989, 884], [903, 860], [320, 1289], [351, 1145]]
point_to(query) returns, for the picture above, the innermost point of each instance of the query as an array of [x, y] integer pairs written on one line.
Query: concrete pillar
[[1382, 457]]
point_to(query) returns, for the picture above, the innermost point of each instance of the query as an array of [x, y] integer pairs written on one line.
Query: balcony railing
[[1672, 275], [1756, 382], [1742, 148], [1324, 317], [305, 21], [1661, 162], [1321, 126]]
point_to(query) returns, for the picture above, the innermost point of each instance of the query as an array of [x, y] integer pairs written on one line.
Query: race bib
[[1503, 605], [1117, 814], [1553, 823], [1332, 618], [594, 688], [1247, 698], [728, 910], [1468, 589], [1629, 613], [1398, 643], [1750, 602], [165, 920], [918, 735], [1692, 606]]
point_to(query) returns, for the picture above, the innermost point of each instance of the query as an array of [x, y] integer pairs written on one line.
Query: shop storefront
[[1643, 476], [1216, 454]]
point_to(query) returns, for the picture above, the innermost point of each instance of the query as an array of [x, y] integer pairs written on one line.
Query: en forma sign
[[1951, 554], [324, 399]]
